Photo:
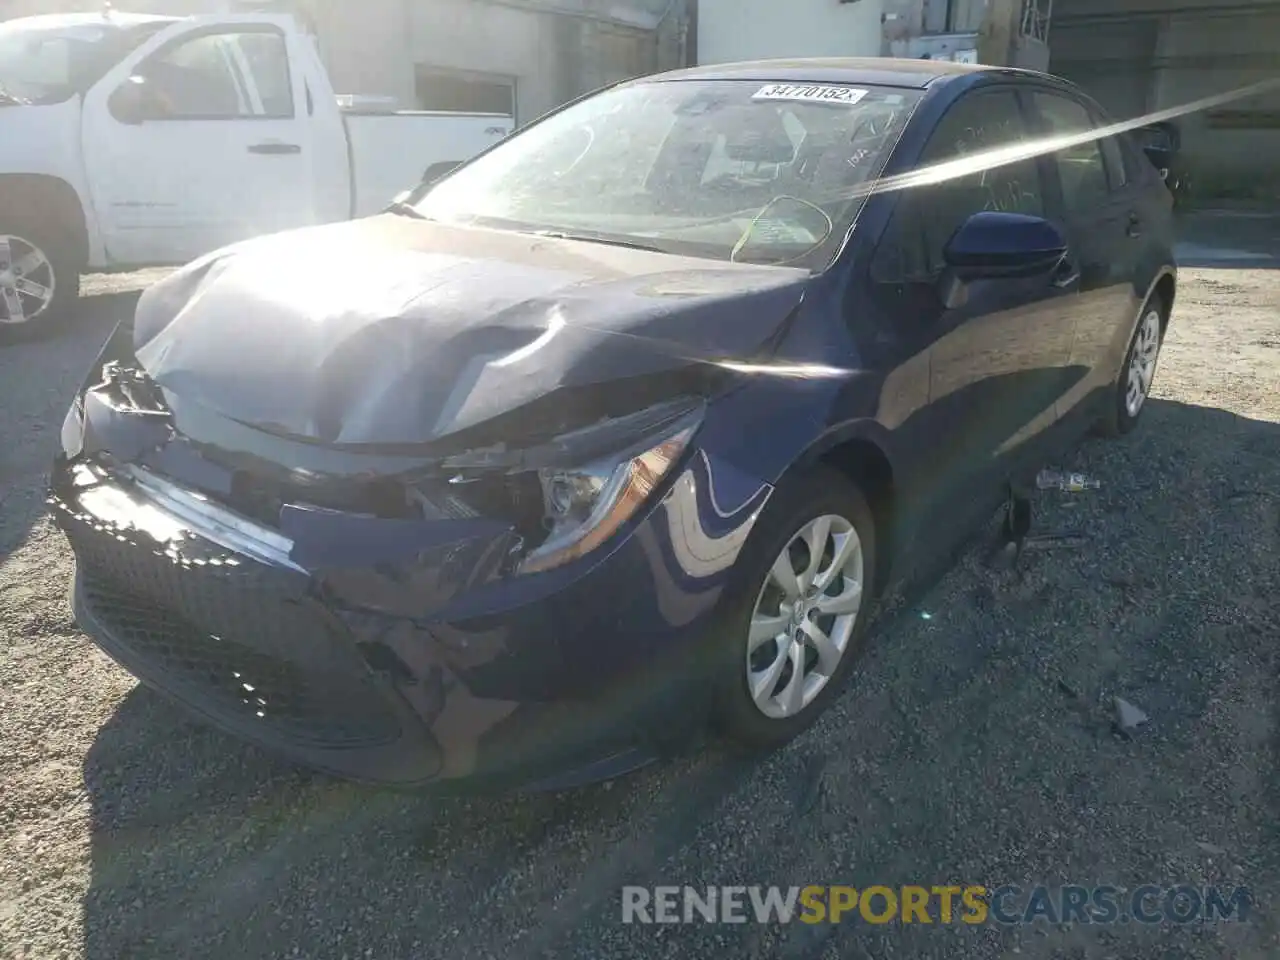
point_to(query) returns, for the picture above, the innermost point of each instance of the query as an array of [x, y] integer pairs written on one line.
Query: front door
[[997, 356], [199, 142]]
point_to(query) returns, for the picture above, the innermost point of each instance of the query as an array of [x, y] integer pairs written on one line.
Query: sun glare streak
[[1003, 156], [555, 323], [792, 371]]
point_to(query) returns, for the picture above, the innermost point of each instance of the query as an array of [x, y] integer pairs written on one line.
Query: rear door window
[[1120, 173], [1082, 169]]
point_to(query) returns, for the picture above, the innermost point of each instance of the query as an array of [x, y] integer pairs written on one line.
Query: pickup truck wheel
[[38, 282]]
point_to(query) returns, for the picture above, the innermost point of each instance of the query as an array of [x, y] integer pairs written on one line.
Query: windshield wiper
[[402, 209], [597, 238]]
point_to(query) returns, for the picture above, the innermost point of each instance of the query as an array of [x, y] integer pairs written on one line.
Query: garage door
[[1112, 62]]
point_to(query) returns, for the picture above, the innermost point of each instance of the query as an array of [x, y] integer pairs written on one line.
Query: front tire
[[1132, 387], [798, 611], [39, 278]]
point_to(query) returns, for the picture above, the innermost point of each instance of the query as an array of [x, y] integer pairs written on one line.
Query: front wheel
[[39, 282], [798, 611]]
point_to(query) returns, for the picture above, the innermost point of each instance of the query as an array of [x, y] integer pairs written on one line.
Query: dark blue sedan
[[616, 429]]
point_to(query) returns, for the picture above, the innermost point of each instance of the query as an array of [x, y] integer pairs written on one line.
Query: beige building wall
[[765, 29]]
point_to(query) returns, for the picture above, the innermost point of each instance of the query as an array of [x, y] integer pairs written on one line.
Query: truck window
[[43, 64], [200, 78], [269, 63]]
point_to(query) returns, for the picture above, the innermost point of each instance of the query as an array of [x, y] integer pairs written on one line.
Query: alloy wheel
[[27, 281], [804, 616], [1142, 363]]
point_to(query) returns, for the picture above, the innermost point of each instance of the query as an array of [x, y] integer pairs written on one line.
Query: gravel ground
[[974, 747]]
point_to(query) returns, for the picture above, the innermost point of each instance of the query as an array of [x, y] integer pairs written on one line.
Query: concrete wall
[[1148, 55], [551, 57], [906, 20], [1111, 61], [763, 29], [1200, 57]]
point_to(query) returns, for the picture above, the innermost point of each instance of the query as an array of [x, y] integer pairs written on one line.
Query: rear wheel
[[1133, 385], [800, 608], [39, 280]]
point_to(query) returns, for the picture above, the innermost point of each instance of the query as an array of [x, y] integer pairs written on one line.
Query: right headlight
[[585, 506]]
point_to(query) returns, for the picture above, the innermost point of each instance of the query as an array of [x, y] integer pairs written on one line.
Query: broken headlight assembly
[[588, 494]]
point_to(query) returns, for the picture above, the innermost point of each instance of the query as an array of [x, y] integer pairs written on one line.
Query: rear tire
[[1132, 386], [39, 277], [814, 623]]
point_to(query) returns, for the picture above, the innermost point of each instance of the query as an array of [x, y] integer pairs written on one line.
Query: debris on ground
[[1068, 690], [1128, 717], [1066, 482], [812, 785], [1052, 541]]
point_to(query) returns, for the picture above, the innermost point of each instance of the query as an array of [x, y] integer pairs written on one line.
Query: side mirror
[[131, 103], [1160, 142], [1004, 245], [441, 169], [1161, 157]]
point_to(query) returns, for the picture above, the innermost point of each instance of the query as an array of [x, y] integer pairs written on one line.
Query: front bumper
[[565, 679]]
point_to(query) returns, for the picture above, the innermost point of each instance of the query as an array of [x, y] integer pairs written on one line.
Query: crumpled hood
[[396, 331]]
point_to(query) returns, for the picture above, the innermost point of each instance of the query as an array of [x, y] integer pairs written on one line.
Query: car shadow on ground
[[974, 746], [40, 378]]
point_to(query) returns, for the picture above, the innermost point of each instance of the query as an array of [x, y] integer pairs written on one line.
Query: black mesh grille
[[226, 635]]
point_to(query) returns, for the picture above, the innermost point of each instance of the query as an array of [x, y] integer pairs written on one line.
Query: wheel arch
[[48, 197], [860, 452]]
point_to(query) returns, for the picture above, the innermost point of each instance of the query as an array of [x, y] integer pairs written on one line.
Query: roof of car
[[876, 71], [55, 21]]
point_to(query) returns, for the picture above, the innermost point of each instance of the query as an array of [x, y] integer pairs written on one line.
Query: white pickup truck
[[129, 141]]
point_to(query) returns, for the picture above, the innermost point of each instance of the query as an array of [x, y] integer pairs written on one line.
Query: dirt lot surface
[[974, 747]]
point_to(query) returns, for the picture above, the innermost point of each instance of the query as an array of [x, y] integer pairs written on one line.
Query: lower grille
[[219, 633], [231, 679]]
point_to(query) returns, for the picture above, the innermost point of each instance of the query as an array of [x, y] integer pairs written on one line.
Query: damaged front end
[[347, 606], [546, 502]]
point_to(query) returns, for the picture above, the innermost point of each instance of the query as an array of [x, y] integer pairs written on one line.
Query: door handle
[[275, 149], [1134, 230]]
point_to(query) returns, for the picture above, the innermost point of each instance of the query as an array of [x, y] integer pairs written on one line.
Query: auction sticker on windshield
[[813, 93]]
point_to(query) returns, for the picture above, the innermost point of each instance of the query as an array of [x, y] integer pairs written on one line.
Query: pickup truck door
[[201, 138]]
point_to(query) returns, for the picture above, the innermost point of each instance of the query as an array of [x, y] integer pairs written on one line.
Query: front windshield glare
[[737, 170]]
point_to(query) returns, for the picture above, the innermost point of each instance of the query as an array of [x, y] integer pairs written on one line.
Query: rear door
[[1097, 203], [996, 357], [223, 152]]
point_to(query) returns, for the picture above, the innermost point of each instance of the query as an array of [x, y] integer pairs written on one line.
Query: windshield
[[49, 64], [736, 170]]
